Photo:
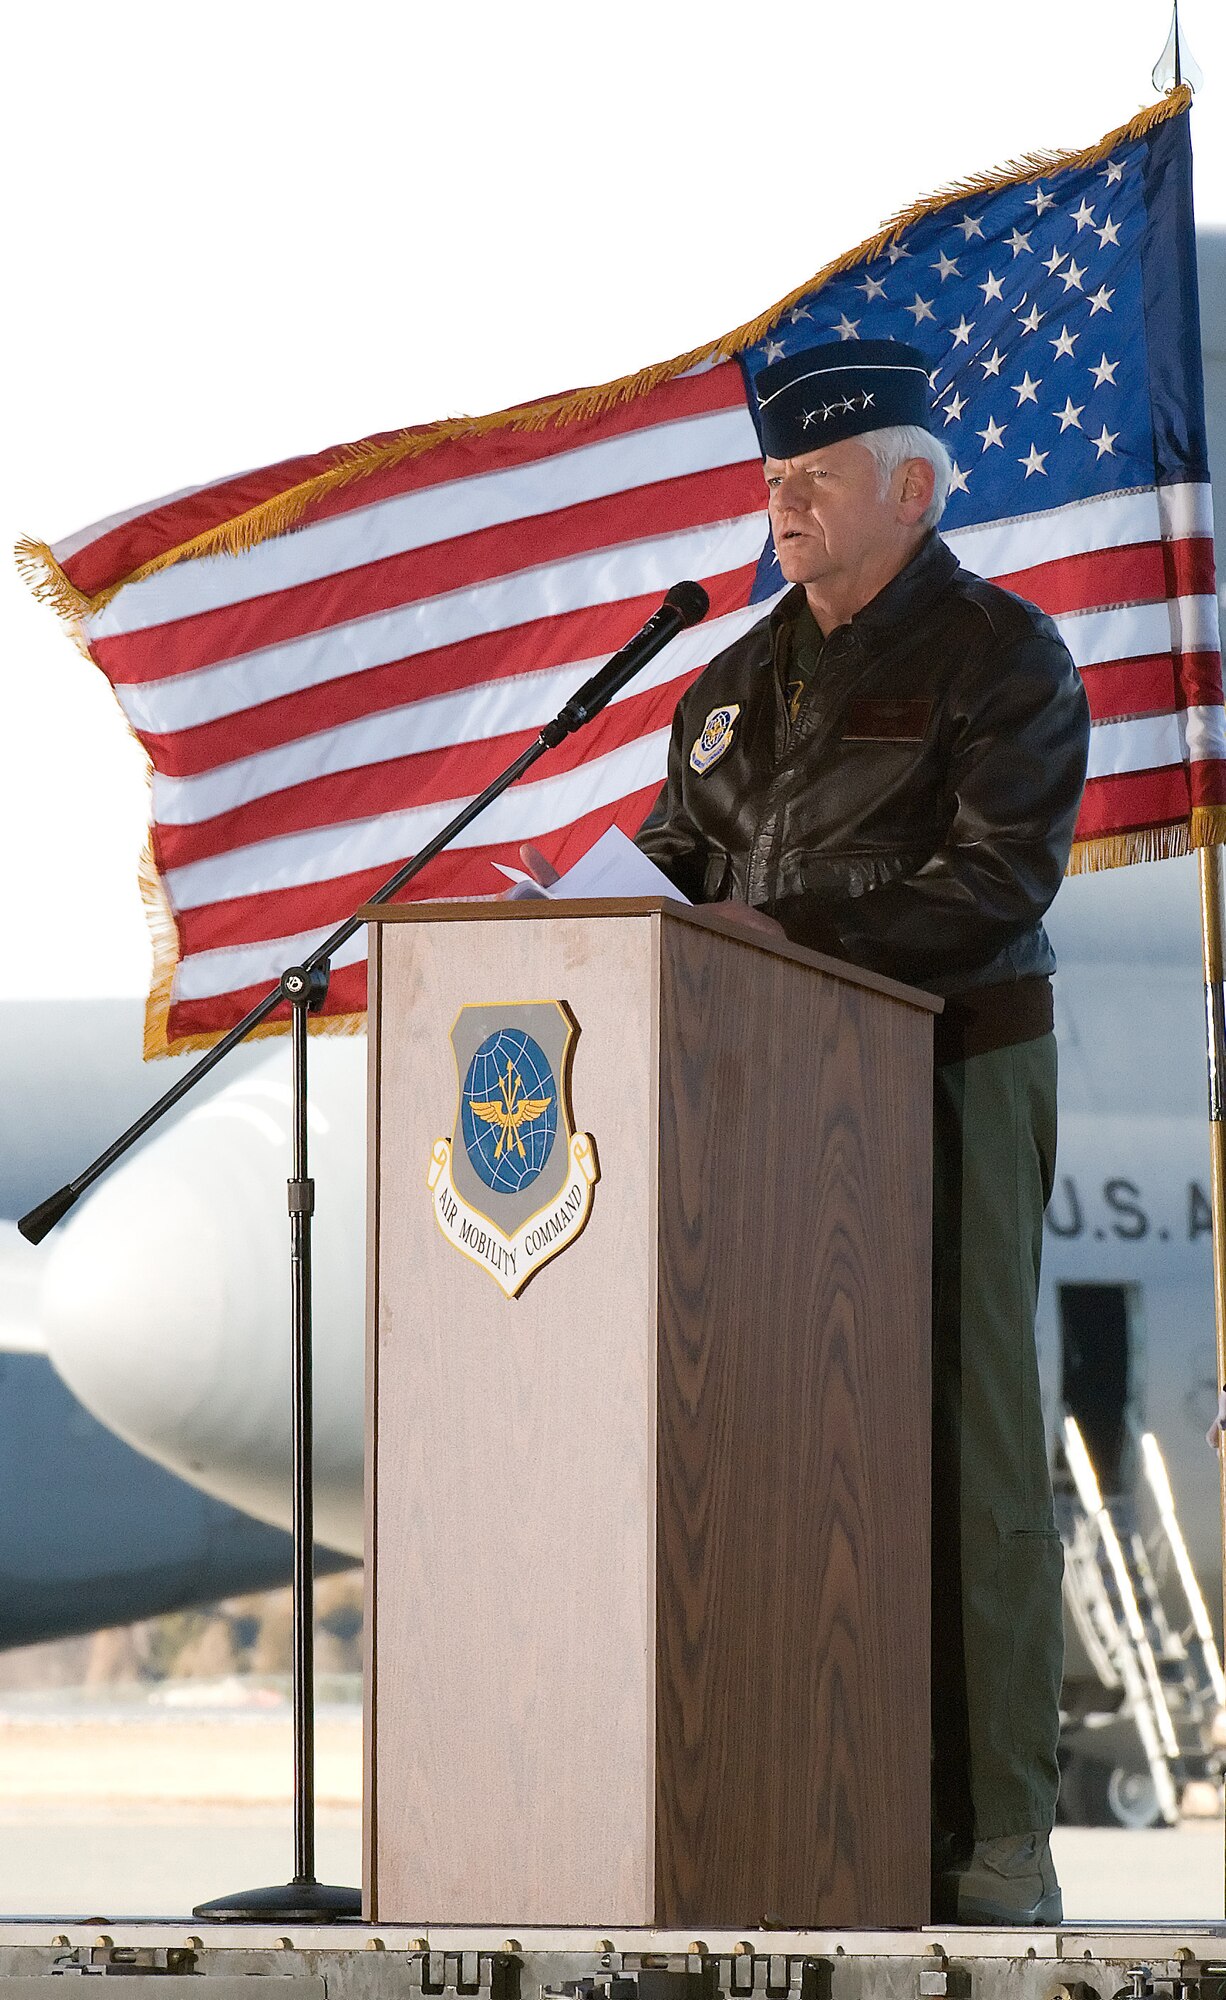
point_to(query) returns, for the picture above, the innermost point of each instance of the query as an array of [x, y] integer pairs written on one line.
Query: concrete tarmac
[[90, 1860], [135, 1807], [86, 1861], [124, 1811]]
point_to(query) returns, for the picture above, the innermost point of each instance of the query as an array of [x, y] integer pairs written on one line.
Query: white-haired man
[[889, 767]]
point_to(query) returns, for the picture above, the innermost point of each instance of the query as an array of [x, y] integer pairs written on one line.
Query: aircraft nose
[[166, 1301]]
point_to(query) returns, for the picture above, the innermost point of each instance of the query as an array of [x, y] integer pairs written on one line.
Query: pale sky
[[273, 225]]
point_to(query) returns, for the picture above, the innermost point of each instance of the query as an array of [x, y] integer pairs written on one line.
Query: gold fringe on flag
[[158, 1042], [38, 567], [165, 935], [273, 517], [1205, 827]]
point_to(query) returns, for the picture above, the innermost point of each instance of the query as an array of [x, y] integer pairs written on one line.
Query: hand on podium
[[541, 871]]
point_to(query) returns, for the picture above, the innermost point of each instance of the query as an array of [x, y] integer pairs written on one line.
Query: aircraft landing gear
[[1095, 1794]]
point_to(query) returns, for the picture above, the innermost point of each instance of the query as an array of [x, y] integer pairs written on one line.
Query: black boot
[[1011, 1880]]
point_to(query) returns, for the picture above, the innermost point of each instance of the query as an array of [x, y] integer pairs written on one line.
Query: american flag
[[324, 658]]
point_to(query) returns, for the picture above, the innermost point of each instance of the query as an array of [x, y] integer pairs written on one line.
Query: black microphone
[[685, 604]]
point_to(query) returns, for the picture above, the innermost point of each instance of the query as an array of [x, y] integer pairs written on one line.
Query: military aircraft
[[92, 1531]]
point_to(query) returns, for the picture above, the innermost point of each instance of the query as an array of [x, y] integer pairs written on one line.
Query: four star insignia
[[863, 401], [947, 266], [993, 434], [991, 289], [1025, 390], [1109, 233], [1100, 301], [963, 331], [1069, 415], [1104, 372], [1104, 443], [846, 328], [1066, 342], [1039, 201], [1035, 461], [1083, 216]]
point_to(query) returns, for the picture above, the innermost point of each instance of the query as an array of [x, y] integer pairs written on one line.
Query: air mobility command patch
[[512, 1186], [716, 737]]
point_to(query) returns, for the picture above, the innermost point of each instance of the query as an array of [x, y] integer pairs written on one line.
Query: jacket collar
[[926, 575]]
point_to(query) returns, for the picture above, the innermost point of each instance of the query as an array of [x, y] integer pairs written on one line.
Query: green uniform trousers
[[997, 1561]]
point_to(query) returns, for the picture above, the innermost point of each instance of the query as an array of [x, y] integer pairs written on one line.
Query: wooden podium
[[647, 1545]]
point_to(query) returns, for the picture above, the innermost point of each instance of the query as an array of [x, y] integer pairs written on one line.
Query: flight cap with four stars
[[840, 390]]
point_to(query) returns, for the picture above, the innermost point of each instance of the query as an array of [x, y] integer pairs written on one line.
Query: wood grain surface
[[792, 1618], [514, 1511], [703, 916], [648, 1544]]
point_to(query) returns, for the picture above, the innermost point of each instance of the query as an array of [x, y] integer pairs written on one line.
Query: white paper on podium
[[613, 866]]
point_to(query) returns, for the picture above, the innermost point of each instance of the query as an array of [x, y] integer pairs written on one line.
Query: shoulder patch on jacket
[[715, 737]]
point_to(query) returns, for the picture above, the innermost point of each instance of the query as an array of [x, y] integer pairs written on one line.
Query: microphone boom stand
[[305, 987]]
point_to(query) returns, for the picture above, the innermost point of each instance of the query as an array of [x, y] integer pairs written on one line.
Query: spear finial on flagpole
[[1176, 64]]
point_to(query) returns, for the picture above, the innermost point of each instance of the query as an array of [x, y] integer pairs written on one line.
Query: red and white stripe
[[1129, 580], [318, 706]]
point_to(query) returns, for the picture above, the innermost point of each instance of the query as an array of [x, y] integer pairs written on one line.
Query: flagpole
[[1173, 68], [1213, 953], [1212, 877]]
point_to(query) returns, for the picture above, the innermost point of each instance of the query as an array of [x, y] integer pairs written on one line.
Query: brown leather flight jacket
[[917, 817]]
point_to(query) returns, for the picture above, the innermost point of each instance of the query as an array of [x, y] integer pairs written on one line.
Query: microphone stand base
[[289, 1902]]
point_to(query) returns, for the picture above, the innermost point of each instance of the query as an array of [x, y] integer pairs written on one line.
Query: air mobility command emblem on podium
[[716, 737], [512, 1186]]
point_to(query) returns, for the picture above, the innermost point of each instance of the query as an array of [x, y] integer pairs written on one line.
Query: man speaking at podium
[[889, 768]]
